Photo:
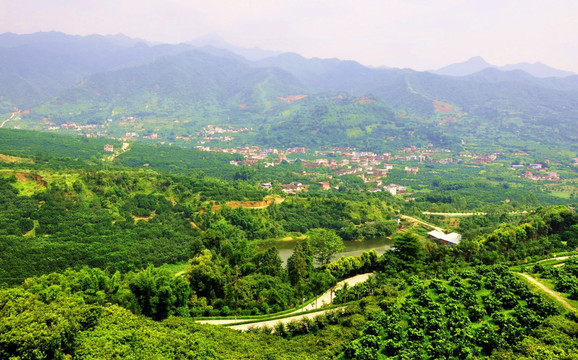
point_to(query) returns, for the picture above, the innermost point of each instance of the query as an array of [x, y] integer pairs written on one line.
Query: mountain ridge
[[212, 85], [477, 64]]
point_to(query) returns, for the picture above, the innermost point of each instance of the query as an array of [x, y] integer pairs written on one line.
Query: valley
[[152, 198]]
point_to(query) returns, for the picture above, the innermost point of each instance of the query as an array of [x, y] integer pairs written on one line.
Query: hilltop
[[117, 86]]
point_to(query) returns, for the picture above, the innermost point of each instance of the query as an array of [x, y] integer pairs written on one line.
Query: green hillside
[[163, 187], [287, 100], [119, 258]]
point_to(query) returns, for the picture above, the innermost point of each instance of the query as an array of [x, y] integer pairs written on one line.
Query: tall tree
[[158, 292], [297, 266], [408, 248], [205, 275], [325, 243], [268, 262]]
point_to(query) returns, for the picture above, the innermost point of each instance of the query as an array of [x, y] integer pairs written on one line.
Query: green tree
[[268, 262], [297, 266], [321, 281], [158, 292], [205, 275], [325, 243], [408, 248]]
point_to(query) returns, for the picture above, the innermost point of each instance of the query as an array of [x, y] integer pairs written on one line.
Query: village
[[371, 167]]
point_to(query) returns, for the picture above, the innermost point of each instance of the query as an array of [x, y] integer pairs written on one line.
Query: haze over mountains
[[285, 97], [477, 64]]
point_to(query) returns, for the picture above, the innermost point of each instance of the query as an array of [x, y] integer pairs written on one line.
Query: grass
[[561, 194], [177, 269]]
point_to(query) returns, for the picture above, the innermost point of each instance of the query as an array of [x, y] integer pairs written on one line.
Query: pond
[[352, 248]]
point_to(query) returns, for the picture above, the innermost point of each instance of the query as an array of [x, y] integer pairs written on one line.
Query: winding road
[[322, 300], [5, 121]]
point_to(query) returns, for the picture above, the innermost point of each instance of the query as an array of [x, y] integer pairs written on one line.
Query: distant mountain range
[[477, 64], [285, 98], [215, 41]]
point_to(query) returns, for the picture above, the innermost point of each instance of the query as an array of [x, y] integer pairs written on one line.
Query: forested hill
[[107, 255], [89, 80], [36, 67], [193, 79]]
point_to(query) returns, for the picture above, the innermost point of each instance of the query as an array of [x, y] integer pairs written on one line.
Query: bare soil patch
[[15, 159]]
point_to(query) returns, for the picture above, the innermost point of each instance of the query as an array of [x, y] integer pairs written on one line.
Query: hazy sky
[[421, 34]]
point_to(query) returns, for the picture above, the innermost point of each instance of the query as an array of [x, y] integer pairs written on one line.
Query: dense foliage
[[84, 243], [475, 313]]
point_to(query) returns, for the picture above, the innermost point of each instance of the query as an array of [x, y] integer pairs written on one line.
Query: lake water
[[352, 248]]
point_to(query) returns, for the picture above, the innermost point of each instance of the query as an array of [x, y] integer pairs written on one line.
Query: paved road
[[453, 214], [559, 258], [549, 291], [468, 214], [271, 323], [327, 297], [322, 300]]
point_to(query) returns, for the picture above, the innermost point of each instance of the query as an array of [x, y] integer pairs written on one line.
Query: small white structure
[[445, 239]]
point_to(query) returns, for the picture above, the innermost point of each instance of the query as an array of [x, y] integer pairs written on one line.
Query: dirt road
[[412, 219], [468, 214], [453, 214], [549, 291], [558, 258]]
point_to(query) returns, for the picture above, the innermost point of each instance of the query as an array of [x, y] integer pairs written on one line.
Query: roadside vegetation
[[89, 251]]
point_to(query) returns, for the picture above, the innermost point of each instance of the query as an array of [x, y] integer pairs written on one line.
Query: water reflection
[[352, 248]]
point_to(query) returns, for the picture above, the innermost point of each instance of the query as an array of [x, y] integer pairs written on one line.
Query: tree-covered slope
[[36, 67], [190, 84], [132, 81]]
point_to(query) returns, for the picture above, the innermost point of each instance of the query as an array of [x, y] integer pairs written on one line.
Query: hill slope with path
[[549, 291], [322, 300]]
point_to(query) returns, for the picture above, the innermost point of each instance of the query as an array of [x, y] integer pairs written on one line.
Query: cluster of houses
[[532, 166], [130, 135], [153, 136], [212, 130], [89, 131], [295, 187], [551, 176], [213, 133], [530, 175], [292, 188]]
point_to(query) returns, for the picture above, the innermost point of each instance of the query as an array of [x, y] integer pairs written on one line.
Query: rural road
[[549, 291], [271, 323], [412, 219], [558, 258], [453, 214], [5, 121], [468, 214], [322, 300]]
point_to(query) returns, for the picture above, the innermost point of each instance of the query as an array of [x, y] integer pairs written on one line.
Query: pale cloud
[[421, 34]]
